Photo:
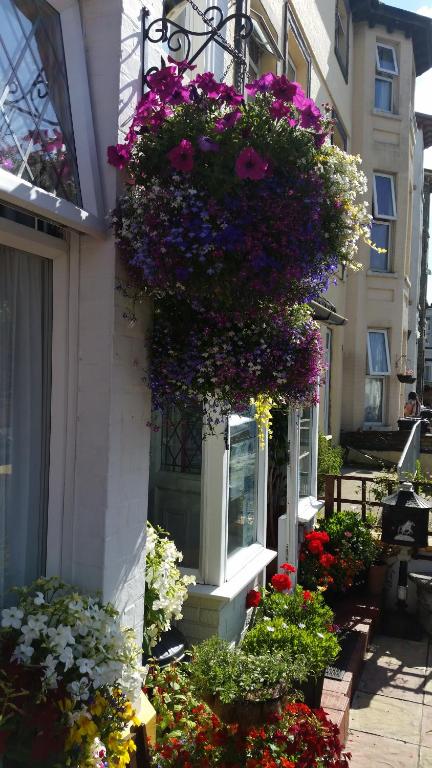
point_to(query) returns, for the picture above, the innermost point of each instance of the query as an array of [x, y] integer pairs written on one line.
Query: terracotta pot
[[376, 579]]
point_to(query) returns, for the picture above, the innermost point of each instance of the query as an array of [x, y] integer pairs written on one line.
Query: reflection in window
[[243, 482], [36, 134], [25, 394], [305, 461], [380, 236], [181, 441]]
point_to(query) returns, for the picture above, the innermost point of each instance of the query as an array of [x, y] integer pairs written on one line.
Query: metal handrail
[[410, 454]]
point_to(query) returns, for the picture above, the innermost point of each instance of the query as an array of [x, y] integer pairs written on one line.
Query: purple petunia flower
[[207, 145], [250, 165], [227, 121]]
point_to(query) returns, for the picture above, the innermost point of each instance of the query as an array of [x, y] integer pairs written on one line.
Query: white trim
[[21, 193], [230, 589], [391, 48], [79, 95], [308, 508], [376, 374], [376, 212], [214, 475], [384, 80], [30, 240]]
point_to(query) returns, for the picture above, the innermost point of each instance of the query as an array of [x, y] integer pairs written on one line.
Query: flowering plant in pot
[[71, 678], [190, 735], [166, 588], [195, 226]]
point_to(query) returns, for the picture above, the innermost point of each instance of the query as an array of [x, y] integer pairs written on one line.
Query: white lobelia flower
[[60, 636], [79, 688], [39, 599], [12, 617], [23, 653], [37, 622], [67, 657]]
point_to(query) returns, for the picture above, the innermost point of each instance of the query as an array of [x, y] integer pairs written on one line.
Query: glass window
[[292, 74], [378, 353], [384, 197], [386, 59], [374, 396], [175, 480], [380, 236], [339, 135], [243, 482], [25, 394], [305, 458], [36, 133], [342, 34], [383, 94]]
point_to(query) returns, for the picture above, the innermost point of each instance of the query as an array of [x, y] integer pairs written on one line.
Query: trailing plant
[[166, 588], [231, 675], [196, 228], [330, 460], [72, 675]]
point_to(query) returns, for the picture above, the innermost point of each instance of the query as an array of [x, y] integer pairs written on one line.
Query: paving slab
[[386, 716], [371, 751], [426, 728], [406, 683], [425, 760], [396, 653]]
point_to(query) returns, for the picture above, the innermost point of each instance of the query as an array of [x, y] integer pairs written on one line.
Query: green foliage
[[350, 536], [169, 689], [330, 459], [380, 487], [231, 674], [314, 613], [317, 649]]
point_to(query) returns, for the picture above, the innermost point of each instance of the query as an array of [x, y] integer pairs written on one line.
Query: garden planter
[[404, 378], [376, 579], [248, 713], [312, 689]]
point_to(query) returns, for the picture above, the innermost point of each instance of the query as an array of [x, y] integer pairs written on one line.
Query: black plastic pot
[[312, 689]]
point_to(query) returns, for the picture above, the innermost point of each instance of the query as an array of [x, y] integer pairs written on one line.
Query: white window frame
[[372, 373], [376, 212], [16, 191], [65, 258], [378, 65], [380, 109], [382, 271]]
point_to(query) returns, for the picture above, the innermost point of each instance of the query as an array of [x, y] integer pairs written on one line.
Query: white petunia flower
[[85, 666], [23, 653], [39, 599], [12, 617]]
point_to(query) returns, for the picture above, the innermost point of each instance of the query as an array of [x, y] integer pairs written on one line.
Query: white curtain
[[25, 373]]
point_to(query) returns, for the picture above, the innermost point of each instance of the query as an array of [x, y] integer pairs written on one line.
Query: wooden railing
[[334, 499]]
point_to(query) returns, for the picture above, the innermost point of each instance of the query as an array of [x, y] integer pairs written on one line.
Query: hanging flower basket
[[234, 213], [406, 378]]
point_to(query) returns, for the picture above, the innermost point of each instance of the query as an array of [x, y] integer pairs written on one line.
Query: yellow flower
[[99, 705], [263, 405]]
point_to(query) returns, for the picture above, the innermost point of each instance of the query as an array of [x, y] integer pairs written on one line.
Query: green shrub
[[350, 537], [293, 608], [229, 673], [317, 649], [330, 460]]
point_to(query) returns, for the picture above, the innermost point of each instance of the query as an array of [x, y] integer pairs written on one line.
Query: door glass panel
[[243, 482], [374, 400], [175, 479], [25, 393]]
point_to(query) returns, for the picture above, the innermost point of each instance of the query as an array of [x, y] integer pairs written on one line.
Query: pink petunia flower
[[310, 114], [228, 121], [181, 157], [250, 165], [208, 85], [119, 155], [164, 82]]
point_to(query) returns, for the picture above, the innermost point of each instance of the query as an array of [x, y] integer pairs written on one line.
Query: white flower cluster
[[166, 588], [76, 640]]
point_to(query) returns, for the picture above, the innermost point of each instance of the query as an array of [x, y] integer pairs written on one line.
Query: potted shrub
[[378, 568], [70, 677], [243, 687]]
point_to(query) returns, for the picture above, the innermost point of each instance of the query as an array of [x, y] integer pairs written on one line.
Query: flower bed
[[70, 677], [197, 230]]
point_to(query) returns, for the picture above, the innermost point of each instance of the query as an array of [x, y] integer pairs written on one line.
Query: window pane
[[25, 394], [383, 94], [291, 71], [386, 58], [36, 134], [243, 482], [305, 451], [384, 196], [175, 480], [380, 237], [378, 362], [374, 400]]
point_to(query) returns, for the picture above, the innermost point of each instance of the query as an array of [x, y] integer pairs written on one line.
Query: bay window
[[378, 369], [211, 493]]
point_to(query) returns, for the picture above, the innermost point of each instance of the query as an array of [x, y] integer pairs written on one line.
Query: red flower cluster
[[288, 568], [253, 599], [281, 582]]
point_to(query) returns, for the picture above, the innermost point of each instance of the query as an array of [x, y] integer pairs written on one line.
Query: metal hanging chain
[[233, 51]]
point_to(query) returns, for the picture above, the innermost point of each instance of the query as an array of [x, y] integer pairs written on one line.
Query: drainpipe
[[423, 281]]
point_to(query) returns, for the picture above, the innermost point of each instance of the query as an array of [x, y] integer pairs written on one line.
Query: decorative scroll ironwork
[[178, 39]]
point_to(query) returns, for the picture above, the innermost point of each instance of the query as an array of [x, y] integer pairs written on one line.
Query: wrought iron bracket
[[177, 38]]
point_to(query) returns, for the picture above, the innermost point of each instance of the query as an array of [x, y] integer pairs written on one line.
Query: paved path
[[391, 713]]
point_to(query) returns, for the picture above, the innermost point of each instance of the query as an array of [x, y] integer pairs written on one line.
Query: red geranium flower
[[307, 596], [288, 568], [327, 560], [253, 599], [281, 582], [315, 546]]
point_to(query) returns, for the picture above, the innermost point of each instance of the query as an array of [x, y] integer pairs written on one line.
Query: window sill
[[308, 508], [234, 586], [372, 273], [384, 113]]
